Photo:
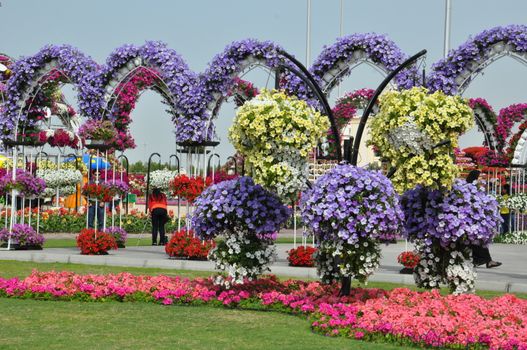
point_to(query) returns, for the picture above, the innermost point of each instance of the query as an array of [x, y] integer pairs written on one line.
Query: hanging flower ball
[[238, 205], [349, 202], [466, 215], [407, 129], [351, 210]]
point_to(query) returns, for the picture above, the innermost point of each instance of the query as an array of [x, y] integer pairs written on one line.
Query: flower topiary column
[[351, 211], [247, 217]]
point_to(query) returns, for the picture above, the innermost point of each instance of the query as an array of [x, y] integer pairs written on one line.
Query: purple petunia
[[22, 234], [348, 203], [465, 215], [238, 205], [451, 72]]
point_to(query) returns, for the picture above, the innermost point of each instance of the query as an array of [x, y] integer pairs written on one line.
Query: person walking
[[157, 205]]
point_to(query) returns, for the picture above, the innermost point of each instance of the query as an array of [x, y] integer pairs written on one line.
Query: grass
[[31, 324], [131, 242], [49, 324], [112, 325]]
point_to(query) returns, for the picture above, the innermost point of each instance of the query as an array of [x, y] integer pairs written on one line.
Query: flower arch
[[219, 79], [5, 73], [454, 73], [338, 60], [486, 120], [133, 68], [516, 149], [28, 73]]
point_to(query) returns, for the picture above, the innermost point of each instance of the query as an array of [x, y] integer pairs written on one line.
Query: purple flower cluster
[[173, 71], [238, 205], [349, 202], [118, 233], [472, 53], [219, 79], [378, 49], [27, 71], [22, 234], [117, 186], [25, 182], [464, 215]]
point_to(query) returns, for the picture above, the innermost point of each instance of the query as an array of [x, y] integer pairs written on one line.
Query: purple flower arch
[[338, 60], [28, 71], [175, 77], [454, 73], [205, 100]]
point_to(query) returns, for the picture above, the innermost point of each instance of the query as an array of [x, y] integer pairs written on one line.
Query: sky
[[200, 29]]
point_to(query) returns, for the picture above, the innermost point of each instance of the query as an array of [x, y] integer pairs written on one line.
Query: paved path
[[511, 276]]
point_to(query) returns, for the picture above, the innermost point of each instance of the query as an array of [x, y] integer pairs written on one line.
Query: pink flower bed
[[400, 316]]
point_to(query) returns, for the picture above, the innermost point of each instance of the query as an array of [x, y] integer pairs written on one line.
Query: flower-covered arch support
[[516, 149], [28, 72], [454, 73], [486, 120], [338, 60], [167, 73], [218, 80], [5, 73]]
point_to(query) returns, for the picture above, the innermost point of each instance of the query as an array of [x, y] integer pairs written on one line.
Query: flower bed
[[184, 244], [64, 221], [301, 256], [399, 316]]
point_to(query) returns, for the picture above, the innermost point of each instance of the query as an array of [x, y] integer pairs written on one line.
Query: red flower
[[301, 256], [183, 244], [92, 242], [408, 259], [188, 187]]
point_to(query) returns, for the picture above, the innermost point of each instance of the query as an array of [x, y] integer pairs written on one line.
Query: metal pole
[[341, 32], [369, 108], [308, 79], [308, 34], [446, 44]]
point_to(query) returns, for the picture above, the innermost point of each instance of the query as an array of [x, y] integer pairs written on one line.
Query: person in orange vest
[[157, 205]]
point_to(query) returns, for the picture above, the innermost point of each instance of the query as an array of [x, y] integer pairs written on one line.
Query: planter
[[14, 246], [100, 145], [406, 271], [13, 143], [29, 247]]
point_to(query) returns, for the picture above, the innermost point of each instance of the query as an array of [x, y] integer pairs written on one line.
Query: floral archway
[[28, 75], [131, 69], [219, 79], [337, 61], [454, 73]]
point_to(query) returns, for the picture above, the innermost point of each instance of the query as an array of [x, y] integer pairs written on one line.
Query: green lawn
[[31, 324]]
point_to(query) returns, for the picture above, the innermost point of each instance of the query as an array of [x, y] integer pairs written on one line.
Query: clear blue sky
[[199, 29]]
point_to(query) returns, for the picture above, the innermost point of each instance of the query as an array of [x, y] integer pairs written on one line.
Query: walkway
[[511, 276]]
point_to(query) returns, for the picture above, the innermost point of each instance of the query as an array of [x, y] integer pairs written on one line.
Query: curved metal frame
[[369, 108]]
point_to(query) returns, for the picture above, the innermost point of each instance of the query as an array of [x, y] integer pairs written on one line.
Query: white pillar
[[448, 10]]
